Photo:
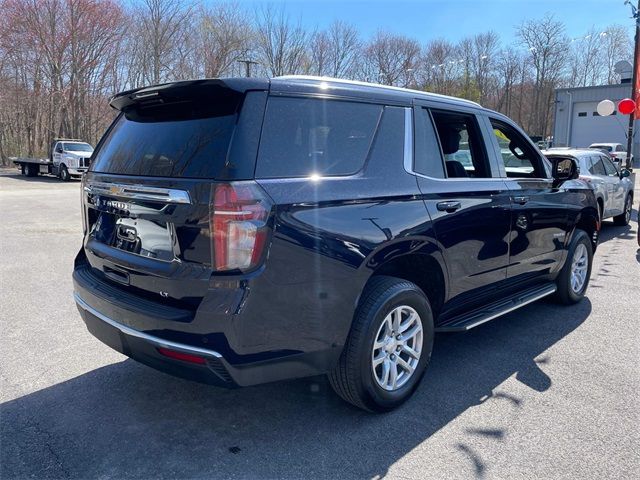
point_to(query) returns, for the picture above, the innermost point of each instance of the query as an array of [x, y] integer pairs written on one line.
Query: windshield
[[608, 148], [77, 147]]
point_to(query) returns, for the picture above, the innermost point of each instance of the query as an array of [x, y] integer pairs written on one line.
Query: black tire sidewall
[[377, 397], [64, 174]]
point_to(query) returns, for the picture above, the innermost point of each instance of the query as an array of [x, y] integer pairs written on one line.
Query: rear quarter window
[[312, 136]]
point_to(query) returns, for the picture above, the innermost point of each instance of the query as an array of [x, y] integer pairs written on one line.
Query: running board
[[481, 315]]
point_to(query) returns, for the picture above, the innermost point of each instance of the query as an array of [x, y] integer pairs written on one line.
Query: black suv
[[242, 231]]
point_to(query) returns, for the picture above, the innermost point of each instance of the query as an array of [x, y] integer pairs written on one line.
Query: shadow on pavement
[[126, 420], [610, 231]]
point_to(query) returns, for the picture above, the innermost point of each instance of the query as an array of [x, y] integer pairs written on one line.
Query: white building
[[577, 123]]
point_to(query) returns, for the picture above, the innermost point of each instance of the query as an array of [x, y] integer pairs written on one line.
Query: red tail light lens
[[238, 221]]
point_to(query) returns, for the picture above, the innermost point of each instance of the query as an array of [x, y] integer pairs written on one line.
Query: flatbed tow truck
[[68, 158]]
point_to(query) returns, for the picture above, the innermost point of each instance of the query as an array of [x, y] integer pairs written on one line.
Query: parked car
[[617, 151], [242, 231], [612, 187]]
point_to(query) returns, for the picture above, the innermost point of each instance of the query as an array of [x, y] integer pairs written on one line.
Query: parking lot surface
[[546, 391]]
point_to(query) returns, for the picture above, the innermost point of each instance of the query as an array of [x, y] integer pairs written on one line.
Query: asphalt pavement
[[544, 392]]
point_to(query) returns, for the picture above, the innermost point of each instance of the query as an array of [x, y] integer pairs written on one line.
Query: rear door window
[[312, 136], [609, 167], [598, 166], [461, 145]]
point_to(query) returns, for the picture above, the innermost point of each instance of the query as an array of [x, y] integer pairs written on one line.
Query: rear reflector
[[185, 357]]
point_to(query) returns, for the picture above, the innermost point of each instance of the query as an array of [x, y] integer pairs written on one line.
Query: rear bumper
[[135, 327], [144, 348]]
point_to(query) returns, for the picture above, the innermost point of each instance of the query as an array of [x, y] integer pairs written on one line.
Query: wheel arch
[[589, 221], [426, 270]]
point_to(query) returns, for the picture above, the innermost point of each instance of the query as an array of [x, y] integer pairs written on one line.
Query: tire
[[355, 378], [64, 174], [24, 169], [624, 218], [30, 170], [569, 292], [600, 212]]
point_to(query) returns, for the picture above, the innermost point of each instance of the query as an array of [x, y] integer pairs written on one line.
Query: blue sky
[[453, 19]]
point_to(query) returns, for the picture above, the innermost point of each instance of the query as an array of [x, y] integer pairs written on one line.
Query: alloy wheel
[[397, 348], [579, 268]]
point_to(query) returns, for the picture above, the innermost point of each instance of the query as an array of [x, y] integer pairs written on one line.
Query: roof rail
[[376, 85], [68, 140]]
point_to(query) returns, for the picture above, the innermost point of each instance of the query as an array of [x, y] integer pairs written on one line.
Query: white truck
[[68, 158]]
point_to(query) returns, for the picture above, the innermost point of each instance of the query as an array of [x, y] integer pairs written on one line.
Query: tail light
[[239, 214]]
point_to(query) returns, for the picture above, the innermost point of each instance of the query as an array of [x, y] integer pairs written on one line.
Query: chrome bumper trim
[[138, 192], [159, 342]]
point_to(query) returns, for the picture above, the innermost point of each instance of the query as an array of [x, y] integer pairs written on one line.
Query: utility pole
[[635, 13], [247, 65]]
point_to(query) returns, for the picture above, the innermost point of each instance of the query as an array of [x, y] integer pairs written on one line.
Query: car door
[[599, 171], [57, 153], [539, 215], [614, 185], [467, 201]]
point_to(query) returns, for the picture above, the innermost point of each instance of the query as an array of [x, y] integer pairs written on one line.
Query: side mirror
[[624, 173], [564, 169]]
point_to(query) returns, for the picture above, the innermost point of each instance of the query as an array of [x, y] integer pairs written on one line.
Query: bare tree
[[439, 67], [483, 63], [393, 57], [319, 53], [223, 38], [159, 29], [616, 45], [585, 59], [509, 68], [334, 52], [280, 44], [547, 44], [345, 46]]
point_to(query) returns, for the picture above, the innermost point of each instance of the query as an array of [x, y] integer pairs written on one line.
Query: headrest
[[449, 139]]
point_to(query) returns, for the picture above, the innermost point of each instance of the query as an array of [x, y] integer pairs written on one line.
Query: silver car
[[613, 188]]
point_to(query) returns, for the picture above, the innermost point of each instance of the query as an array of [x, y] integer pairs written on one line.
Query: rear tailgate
[[146, 199]]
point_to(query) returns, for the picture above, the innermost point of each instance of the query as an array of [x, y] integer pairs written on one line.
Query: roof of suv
[[285, 84], [370, 88], [572, 152]]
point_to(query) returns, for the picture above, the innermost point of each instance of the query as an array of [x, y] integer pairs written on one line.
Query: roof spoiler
[[186, 90]]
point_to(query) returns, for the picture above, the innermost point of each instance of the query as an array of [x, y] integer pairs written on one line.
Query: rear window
[[185, 139], [311, 136]]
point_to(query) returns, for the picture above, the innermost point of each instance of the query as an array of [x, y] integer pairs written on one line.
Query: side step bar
[[477, 317]]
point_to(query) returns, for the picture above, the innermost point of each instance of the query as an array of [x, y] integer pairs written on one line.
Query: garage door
[[588, 127]]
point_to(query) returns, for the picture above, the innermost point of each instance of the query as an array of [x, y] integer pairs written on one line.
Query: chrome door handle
[[449, 206], [521, 200]]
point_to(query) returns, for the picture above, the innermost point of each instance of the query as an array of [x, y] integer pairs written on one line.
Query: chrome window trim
[[408, 140], [138, 192], [158, 342]]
